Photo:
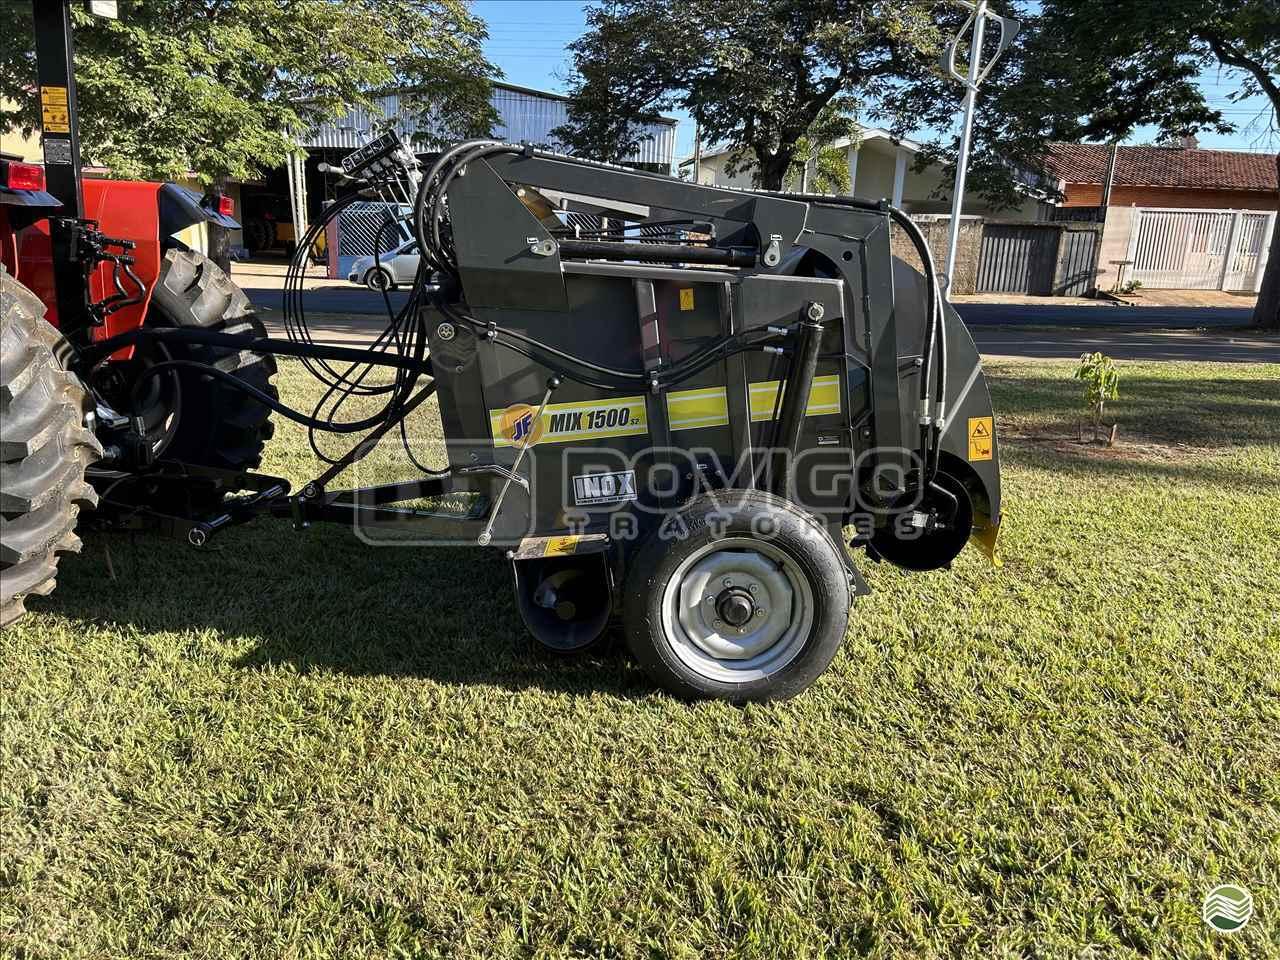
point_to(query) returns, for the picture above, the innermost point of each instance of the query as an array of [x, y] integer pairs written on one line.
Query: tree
[[1096, 70], [830, 165], [757, 74], [222, 87]]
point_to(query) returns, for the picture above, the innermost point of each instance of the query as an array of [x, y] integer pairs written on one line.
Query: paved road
[[1142, 344], [1101, 315], [1126, 333], [356, 300]]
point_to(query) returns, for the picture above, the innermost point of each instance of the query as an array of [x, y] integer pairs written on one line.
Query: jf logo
[[520, 421]]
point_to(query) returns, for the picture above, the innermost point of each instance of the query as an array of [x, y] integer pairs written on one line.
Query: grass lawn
[[296, 746]]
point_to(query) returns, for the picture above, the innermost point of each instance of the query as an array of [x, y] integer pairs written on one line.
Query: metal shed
[[524, 116]]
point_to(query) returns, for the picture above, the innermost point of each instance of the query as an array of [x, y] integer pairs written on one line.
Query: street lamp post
[[976, 26]]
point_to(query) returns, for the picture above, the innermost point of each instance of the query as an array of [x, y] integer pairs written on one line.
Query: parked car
[[393, 267]]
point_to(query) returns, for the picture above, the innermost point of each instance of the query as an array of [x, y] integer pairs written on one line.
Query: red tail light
[[225, 206], [24, 176]]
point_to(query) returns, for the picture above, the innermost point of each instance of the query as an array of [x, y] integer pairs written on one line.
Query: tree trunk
[[1267, 312], [772, 170]]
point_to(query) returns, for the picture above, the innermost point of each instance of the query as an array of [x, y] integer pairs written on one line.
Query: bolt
[[196, 537], [458, 368], [761, 611], [711, 599], [718, 623], [754, 588], [310, 491], [445, 331], [728, 582], [815, 311]]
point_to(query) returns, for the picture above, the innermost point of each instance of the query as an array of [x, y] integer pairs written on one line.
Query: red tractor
[[82, 261], [137, 274]]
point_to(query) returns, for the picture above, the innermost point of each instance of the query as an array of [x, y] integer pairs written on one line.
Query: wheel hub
[[735, 606], [737, 609]]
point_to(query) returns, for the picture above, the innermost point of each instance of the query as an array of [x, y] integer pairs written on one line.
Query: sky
[[528, 40]]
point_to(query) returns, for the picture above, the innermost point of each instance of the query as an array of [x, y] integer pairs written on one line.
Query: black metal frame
[[55, 70]]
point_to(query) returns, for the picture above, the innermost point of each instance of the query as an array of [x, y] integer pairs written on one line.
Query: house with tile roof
[[1183, 177], [1175, 217]]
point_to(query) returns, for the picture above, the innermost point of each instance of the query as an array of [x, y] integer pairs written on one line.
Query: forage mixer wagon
[[683, 407]]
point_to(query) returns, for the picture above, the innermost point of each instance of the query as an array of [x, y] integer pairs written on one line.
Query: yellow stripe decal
[[625, 416], [824, 398], [708, 407]]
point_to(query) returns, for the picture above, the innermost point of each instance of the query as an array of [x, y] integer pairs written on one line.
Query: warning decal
[[980, 435], [686, 298], [53, 109], [560, 546]]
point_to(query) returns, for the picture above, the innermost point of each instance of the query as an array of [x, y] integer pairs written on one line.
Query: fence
[[1200, 249], [1046, 259]]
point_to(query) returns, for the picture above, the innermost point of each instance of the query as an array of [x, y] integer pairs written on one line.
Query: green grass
[[296, 746]]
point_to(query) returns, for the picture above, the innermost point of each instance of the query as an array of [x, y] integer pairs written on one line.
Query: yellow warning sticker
[[561, 546], [686, 298], [56, 117], [981, 430]]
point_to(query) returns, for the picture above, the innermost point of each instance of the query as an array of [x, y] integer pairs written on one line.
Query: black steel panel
[[1017, 258], [1076, 259]]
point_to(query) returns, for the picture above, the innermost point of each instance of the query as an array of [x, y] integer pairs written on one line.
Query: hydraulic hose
[[930, 413]]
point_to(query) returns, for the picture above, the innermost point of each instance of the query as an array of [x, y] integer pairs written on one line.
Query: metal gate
[[1076, 261], [1198, 249], [1017, 258], [1246, 254]]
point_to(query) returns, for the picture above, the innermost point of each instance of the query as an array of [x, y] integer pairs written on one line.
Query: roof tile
[[1164, 167]]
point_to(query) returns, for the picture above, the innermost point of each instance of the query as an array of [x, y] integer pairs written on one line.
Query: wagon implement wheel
[[740, 596]]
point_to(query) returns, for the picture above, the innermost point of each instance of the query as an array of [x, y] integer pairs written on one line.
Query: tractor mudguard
[[142, 212]]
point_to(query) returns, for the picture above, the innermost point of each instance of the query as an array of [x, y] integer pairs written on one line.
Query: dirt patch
[[1063, 439]]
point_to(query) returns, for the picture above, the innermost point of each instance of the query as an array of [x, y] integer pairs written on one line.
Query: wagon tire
[[738, 596], [45, 447]]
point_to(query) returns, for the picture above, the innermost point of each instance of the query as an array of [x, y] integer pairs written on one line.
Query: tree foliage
[[220, 87], [757, 74], [1096, 70]]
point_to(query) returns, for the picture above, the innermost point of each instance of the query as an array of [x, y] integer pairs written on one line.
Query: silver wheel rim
[[716, 649]]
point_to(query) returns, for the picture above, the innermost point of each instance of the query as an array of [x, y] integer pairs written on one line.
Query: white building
[[880, 167]]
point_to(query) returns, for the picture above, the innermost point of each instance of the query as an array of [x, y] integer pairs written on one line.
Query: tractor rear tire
[[44, 449], [218, 425]]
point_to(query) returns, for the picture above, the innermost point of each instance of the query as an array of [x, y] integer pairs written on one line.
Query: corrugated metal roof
[[525, 116]]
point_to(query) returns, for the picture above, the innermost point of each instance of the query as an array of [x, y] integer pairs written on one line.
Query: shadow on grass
[[1203, 412], [324, 601], [1100, 462]]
